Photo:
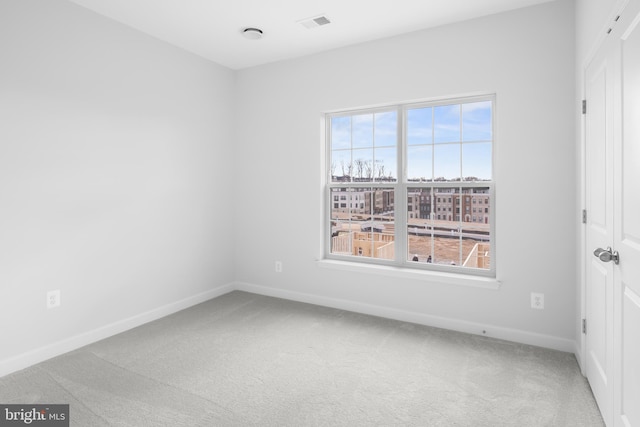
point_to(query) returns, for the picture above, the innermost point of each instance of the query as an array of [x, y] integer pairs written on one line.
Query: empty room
[[304, 213]]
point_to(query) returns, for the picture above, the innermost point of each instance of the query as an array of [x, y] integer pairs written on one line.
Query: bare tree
[[368, 170], [359, 164], [346, 169]]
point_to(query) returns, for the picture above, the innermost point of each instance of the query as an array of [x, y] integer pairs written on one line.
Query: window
[[390, 160]]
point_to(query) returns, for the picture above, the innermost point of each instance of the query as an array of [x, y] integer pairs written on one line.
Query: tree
[[359, 165], [380, 170], [368, 169], [346, 169]]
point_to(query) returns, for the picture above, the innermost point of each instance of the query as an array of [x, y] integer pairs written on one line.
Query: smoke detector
[[252, 33], [315, 22]]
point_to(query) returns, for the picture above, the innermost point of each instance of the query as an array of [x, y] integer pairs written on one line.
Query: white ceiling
[[212, 28]]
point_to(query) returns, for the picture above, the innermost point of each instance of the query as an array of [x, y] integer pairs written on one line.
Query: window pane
[[341, 166], [419, 126], [363, 165], [364, 228], [446, 123], [420, 236], [447, 244], [362, 131], [340, 132], [339, 201], [461, 228], [386, 163], [447, 162], [476, 121], [440, 231], [386, 129], [345, 211], [476, 229], [420, 163], [476, 161]]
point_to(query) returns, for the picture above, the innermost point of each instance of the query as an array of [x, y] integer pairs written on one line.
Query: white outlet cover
[[53, 299], [537, 301]]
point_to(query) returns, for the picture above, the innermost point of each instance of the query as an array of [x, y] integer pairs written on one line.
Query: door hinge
[[584, 216], [584, 326], [584, 106]]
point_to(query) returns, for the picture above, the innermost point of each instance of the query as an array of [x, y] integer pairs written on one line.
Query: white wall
[[527, 58], [115, 158]]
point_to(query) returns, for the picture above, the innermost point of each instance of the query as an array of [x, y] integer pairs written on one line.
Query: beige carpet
[[249, 360]]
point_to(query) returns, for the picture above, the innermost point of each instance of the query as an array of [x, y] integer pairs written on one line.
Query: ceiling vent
[[314, 22], [252, 33]]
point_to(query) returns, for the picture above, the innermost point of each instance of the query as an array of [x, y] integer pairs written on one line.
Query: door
[[599, 119], [612, 197], [627, 224]]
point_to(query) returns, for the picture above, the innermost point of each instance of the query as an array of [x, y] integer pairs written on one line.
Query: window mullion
[[400, 210], [462, 197]]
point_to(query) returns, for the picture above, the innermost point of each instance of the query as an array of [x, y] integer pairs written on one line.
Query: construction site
[[437, 242]]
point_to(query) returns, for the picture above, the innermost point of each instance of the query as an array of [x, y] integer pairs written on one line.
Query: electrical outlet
[[537, 301], [278, 266], [53, 299]]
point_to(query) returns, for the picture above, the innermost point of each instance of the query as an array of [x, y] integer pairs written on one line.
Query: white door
[[627, 224], [599, 91], [612, 157]]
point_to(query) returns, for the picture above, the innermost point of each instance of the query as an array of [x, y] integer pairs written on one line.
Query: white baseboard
[[578, 352], [507, 334], [41, 354]]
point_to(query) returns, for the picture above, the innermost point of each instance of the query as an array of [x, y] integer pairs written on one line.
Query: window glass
[[363, 227]]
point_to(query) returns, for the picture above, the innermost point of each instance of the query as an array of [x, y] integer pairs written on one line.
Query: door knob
[[607, 255]]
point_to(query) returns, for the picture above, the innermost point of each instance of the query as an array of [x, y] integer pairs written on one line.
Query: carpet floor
[[250, 360]]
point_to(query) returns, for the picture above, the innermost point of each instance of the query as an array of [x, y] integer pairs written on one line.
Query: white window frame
[[402, 264]]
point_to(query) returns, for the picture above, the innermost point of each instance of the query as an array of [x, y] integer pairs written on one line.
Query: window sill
[[409, 273]]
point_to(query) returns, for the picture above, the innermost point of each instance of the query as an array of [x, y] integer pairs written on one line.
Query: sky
[[449, 141]]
